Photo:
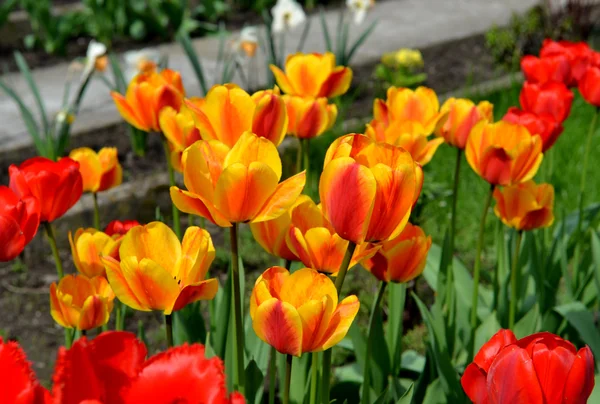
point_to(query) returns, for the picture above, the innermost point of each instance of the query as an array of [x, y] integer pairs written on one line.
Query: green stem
[[305, 164], [52, 240], [169, 329], [272, 375], [586, 156], [367, 372], [299, 154], [96, 211], [477, 269], [238, 380], [315, 378], [513, 283], [288, 378], [450, 274], [69, 335], [176, 222], [339, 280]]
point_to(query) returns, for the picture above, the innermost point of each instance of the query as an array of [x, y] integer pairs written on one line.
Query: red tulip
[[120, 227], [589, 86], [18, 382], [19, 221], [543, 125], [579, 54], [539, 369], [551, 98], [56, 185], [549, 68]]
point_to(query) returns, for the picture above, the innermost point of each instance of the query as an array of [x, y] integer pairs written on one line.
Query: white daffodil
[[94, 52], [249, 41], [287, 14], [359, 9], [140, 61]]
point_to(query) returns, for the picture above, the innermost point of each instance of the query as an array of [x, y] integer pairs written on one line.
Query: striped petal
[[340, 321], [282, 198], [203, 290], [94, 313], [279, 325], [307, 284], [191, 203], [155, 241]]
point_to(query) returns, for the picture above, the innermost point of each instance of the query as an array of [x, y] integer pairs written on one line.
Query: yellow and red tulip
[[235, 185], [270, 116], [309, 117], [88, 246], [299, 312], [460, 115], [503, 153], [180, 130], [525, 206], [81, 302], [367, 188], [313, 75], [99, 171], [147, 94], [157, 272]]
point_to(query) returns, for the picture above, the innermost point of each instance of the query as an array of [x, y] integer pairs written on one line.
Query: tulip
[[503, 153], [147, 94], [313, 75], [539, 369], [460, 115], [235, 185], [549, 68], [81, 302], [99, 171], [19, 221], [309, 118], [180, 130], [299, 312], [401, 259], [589, 86], [550, 98], [227, 112], [542, 125], [579, 54], [118, 228], [525, 206], [56, 185], [157, 272], [88, 246], [367, 188], [19, 384]]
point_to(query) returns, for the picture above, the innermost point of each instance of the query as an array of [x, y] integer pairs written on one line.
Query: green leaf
[[24, 69], [380, 357], [186, 43], [435, 394], [254, 383], [486, 330], [326, 35], [382, 398], [528, 324], [220, 308], [580, 318], [413, 361], [121, 85], [396, 300], [596, 254], [188, 325], [407, 396], [360, 41]]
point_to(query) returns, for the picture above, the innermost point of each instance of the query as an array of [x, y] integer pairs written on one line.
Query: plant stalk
[[169, 329], [314, 378], [306, 163], [96, 211], [586, 157], [288, 378], [450, 274], [238, 380], [52, 240], [272, 375], [513, 282], [176, 222]]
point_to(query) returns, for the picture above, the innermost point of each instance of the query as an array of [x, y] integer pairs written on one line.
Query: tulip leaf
[[407, 396], [413, 361], [220, 308], [528, 324], [396, 300], [26, 72], [580, 318], [380, 356], [435, 394], [486, 330], [351, 372], [189, 325], [186, 43], [254, 383], [326, 35], [596, 253]]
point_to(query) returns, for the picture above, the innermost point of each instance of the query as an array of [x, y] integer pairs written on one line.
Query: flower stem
[[477, 269], [96, 211], [315, 378], [299, 154], [288, 378], [169, 329], [238, 380], [69, 335], [176, 222], [450, 274], [513, 282], [306, 163], [586, 157], [52, 240], [339, 280], [272, 375], [366, 373]]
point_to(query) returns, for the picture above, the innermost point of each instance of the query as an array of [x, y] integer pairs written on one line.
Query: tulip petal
[[487, 353], [94, 313], [580, 381], [315, 316], [159, 287], [119, 276], [197, 253], [552, 364], [251, 148], [230, 111], [127, 111], [279, 325], [203, 290], [282, 81], [188, 202], [12, 239], [473, 382], [337, 83], [56, 308], [307, 284], [340, 321], [282, 198], [155, 241], [19, 384], [89, 167]]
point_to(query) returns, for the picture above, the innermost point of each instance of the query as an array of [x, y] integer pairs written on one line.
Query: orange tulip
[[147, 95], [460, 115], [313, 75], [81, 302], [503, 153], [99, 171], [227, 112], [400, 259], [367, 188], [525, 206], [157, 272], [88, 246], [299, 312], [309, 117], [235, 185], [180, 130]]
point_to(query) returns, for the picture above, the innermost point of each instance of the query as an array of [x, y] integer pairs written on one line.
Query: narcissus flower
[[157, 272], [120, 228], [287, 14], [180, 130], [313, 75], [539, 369], [19, 384], [503, 153], [88, 246], [542, 125], [401, 259], [525, 206], [19, 221], [550, 98], [299, 312], [235, 185], [81, 302], [147, 95], [589, 86], [359, 9], [99, 171], [549, 68], [579, 54], [367, 188], [56, 185], [460, 115], [309, 117], [227, 112]]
